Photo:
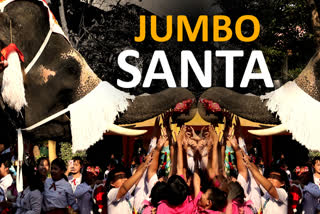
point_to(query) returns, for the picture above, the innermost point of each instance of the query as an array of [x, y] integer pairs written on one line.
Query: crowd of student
[[187, 173]]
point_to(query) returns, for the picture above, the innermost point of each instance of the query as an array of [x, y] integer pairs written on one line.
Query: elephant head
[[61, 79], [296, 105]]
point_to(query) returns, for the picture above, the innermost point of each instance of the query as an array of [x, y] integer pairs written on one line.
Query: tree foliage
[[286, 30], [66, 152]]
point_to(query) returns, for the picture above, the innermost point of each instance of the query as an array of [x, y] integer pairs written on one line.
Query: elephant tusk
[[269, 131], [125, 131]]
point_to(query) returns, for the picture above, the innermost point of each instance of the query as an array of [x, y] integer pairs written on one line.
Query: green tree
[[66, 152]]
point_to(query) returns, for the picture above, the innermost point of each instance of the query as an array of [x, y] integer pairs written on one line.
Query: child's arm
[[213, 168], [242, 169], [155, 157], [134, 178], [180, 140], [196, 180], [267, 185]]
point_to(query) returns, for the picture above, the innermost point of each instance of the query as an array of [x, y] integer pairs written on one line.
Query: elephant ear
[[297, 103]]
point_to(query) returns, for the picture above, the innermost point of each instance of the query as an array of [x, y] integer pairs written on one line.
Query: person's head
[[236, 192], [316, 164], [5, 164], [77, 165], [2, 147], [116, 177], [304, 174], [213, 199], [58, 168], [111, 164], [90, 174], [31, 179], [279, 178], [158, 193], [178, 190], [221, 182], [43, 166]]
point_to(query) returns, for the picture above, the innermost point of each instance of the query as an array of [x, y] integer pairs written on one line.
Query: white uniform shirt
[[123, 205], [251, 190], [273, 206], [74, 182], [29, 202], [83, 193], [58, 194], [5, 182]]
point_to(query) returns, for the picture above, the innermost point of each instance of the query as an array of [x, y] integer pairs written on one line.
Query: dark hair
[[78, 158], [236, 192], [283, 177], [315, 159], [42, 159], [111, 176], [33, 179], [85, 173], [159, 192], [62, 165], [218, 199], [306, 177], [178, 190], [6, 160]]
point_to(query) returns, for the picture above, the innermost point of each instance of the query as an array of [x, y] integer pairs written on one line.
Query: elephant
[[61, 80], [294, 107]]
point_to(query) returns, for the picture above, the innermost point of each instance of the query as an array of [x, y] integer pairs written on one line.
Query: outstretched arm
[[267, 185], [155, 157], [180, 141], [212, 138], [126, 186], [242, 169], [196, 182]]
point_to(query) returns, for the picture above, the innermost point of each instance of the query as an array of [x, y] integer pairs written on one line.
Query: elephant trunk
[[246, 106], [147, 106]]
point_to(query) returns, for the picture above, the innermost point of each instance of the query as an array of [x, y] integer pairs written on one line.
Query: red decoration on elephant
[[210, 105], [9, 49], [183, 106]]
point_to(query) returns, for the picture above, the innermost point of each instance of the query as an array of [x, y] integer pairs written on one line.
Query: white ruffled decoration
[[12, 90], [298, 112], [92, 115]]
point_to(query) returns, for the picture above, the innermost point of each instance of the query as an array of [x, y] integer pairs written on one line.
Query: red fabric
[[53, 185], [99, 195], [9, 49], [74, 182], [296, 195]]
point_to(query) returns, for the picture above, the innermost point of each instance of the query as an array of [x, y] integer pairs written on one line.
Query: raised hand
[[246, 159], [148, 160], [232, 139], [210, 136], [162, 140]]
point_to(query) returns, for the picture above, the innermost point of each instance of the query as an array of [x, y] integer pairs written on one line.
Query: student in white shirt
[[275, 198], [58, 194], [30, 199], [245, 179], [75, 167], [5, 177], [316, 168], [119, 198], [83, 192], [149, 178], [43, 166]]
